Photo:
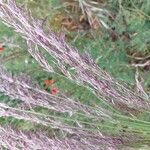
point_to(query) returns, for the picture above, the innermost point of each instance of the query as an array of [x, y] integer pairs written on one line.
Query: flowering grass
[[85, 103]]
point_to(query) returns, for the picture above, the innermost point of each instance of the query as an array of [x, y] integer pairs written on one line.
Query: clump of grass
[[110, 123]]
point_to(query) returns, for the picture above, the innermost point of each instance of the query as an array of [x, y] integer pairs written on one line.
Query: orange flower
[[54, 90], [48, 82]]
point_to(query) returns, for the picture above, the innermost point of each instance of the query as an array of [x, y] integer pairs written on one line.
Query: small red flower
[[1, 49], [54, 90], [48, 82]]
